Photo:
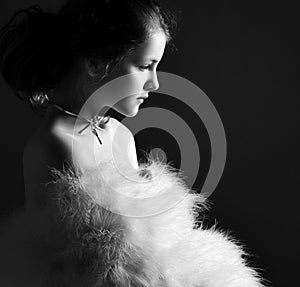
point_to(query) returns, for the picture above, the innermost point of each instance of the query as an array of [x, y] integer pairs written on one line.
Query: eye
[[147, 67]]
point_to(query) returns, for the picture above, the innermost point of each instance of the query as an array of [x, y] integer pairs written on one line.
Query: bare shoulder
[[119, 127], [128, 147], [44, 151]]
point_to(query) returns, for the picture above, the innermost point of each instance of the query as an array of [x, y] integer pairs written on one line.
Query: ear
[[94, 66]]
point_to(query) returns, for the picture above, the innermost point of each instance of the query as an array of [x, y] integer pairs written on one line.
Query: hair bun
[[40, 23], [32, 23], [31, 51]]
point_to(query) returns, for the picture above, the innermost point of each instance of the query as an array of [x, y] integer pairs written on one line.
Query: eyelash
[[147, 67]]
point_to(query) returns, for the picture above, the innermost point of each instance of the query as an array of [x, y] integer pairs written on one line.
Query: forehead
[[152, 49]]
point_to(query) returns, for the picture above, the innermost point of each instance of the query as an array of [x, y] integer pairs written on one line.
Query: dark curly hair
[[38, 47]]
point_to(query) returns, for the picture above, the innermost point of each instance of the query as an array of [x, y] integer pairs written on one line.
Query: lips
[[143, 97]]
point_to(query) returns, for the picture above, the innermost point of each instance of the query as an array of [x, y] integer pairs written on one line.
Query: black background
[[244, 56]]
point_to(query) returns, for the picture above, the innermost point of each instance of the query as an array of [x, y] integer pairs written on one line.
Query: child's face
[[141, 65]]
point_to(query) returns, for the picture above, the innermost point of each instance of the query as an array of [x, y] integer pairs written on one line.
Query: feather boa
[[120, 227]]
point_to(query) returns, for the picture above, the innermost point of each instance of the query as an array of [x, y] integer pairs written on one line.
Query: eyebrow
[[152, 60]]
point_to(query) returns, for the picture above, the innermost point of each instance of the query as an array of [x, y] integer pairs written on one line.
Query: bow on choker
[[97, 122]]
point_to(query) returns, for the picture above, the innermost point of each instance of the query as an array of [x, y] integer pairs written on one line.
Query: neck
[[75, 89], [57, 116], [70, 100]]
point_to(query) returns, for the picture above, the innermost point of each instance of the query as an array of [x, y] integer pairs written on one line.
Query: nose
[[152, 83]]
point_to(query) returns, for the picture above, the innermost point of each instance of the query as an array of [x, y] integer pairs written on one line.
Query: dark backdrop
[[244, 56]]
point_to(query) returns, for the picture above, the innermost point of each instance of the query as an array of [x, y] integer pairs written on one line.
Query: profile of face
[[140, 66]]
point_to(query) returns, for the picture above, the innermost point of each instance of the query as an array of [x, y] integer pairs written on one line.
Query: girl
[[87, 220]]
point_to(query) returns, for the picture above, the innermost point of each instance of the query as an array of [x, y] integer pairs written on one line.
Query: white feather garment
[[149, 240]]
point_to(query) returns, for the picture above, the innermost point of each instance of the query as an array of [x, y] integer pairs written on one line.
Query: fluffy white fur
[[120, 227]]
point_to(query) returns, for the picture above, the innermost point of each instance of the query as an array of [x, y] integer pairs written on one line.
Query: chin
[[129, 111], [132, 114]]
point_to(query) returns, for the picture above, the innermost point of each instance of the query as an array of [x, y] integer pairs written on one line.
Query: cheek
[[130, 101], [136, 82], [133, 80], [130, 85]]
